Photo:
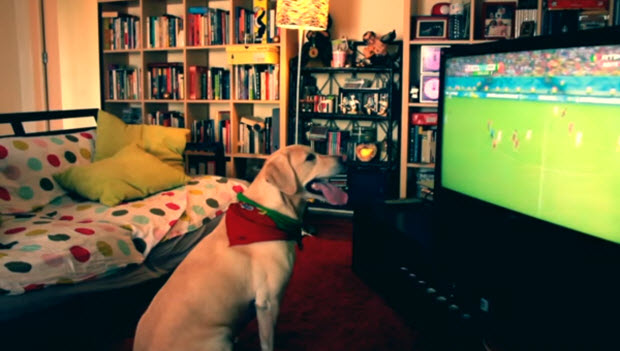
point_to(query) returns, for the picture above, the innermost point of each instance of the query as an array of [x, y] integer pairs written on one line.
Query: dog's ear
[[279, 172]]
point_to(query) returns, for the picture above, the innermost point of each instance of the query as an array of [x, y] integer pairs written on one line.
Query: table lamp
[[301, 15]]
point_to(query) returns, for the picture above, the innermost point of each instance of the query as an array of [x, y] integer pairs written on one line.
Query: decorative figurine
[[345, 107], [354, 103], [376, 51], [370, 104], [383, 105]]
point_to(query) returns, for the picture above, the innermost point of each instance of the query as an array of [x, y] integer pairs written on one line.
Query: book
[[275, 129], [260, 16]]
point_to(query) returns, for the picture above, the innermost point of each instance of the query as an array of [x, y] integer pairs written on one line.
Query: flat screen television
[[528, 187]]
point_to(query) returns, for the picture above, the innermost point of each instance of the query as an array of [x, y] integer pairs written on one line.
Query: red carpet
[[327, 307]]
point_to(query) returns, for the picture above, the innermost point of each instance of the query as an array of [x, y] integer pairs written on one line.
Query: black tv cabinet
[[393, 253]]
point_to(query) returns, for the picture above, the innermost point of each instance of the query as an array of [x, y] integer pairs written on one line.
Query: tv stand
[[393, 254]]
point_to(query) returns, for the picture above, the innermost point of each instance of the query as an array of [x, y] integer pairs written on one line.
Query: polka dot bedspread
[[70, 240]]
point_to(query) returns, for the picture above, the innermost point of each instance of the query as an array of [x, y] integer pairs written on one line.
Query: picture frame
[[430, 57], [431, 27], [429, 87], [528, 29], [499, 19]]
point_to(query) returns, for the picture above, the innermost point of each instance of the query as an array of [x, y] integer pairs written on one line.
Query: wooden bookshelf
[[141, 55], [411, 66]]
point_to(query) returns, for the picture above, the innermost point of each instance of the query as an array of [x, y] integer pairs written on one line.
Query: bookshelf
[[352, 112], [549, 18], [155, 44]]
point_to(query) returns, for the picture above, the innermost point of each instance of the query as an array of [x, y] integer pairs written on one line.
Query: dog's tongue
[[333, 194]]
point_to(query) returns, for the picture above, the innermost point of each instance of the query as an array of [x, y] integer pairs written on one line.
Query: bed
[[77, 266]]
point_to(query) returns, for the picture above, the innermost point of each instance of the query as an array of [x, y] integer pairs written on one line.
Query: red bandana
[[246, 224]]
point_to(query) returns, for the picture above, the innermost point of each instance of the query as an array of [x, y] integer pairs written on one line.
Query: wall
[[21, 68], [72, 47], [72, 43], [352, 18]]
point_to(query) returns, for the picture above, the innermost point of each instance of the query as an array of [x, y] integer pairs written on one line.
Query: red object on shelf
[[424, 118], [577, 4]]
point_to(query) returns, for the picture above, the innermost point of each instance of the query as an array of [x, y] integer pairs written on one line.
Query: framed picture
[[431, 27], [528, 29], [499, 18], [429, 88], [430, 57]]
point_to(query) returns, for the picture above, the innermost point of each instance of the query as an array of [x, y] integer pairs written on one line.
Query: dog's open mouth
[[329, 192]]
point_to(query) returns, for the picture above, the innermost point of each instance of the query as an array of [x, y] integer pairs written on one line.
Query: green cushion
[[132, 173], [166, 143]]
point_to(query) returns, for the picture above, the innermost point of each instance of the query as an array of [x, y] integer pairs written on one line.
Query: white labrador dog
[[213, 292]]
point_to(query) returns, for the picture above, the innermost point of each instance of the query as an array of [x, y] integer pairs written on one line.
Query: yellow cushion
[[113, 134], [166, 143], [130, 174]]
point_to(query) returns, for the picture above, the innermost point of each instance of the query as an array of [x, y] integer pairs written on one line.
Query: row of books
[[174, 119], [123, 82], [425, 183], [329, 141], [257, 25], [120, 31], [133, 115], [422, 137], [422, 140], [165, 31], [203, 133], [211, 83], [165, 80], [206, 132], [256, 135], [207, 26], [257, 82]]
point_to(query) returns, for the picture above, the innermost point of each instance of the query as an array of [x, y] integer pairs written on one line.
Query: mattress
[[161, 261]]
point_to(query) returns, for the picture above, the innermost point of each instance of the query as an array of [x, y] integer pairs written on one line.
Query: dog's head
[[297, 170]]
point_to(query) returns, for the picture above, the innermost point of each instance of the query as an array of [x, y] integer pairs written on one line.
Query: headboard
[[18, 122]]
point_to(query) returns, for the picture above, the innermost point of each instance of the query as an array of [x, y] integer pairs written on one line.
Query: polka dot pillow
[[28, 163]]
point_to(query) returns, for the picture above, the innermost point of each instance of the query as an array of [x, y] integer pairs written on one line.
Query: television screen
[[527, 187], [537, 131]]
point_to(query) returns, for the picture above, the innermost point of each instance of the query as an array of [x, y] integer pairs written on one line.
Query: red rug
[[327, 307]]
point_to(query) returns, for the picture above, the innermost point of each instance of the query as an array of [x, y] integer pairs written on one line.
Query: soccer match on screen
[[537, 132]]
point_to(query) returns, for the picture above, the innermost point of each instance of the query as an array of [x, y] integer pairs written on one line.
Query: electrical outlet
[[484, 304]]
